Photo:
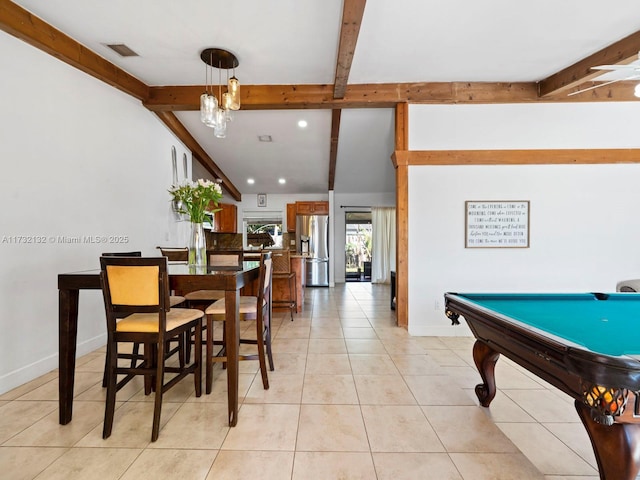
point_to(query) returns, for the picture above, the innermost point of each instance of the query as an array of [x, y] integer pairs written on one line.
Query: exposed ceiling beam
[[27, 27], [22, 24], [352, 12], [621, 52], [379, 95], [178, 129], [402, 127], [333, 152]]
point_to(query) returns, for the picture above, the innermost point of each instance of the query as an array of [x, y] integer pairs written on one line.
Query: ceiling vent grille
[[122, 50]]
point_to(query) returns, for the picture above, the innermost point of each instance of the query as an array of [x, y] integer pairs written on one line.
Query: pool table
[[585, 344]]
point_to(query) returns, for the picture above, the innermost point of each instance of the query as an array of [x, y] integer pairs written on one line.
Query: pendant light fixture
[[215, 112]]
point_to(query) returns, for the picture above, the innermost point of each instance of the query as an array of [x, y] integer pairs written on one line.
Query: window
[[262, 229]]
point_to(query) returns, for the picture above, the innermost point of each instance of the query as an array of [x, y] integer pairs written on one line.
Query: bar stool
[[256, 308], [282, 270]]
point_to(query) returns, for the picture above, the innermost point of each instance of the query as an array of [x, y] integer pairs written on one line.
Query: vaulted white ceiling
[[294, 42]]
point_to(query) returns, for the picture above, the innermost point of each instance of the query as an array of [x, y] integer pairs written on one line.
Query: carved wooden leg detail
[[617, 447], [485, 358]]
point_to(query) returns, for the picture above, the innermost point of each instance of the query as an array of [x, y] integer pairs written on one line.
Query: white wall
[[583, 228], [79, 158]]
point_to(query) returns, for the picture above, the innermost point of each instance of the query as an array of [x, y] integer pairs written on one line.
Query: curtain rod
[[355, 206]]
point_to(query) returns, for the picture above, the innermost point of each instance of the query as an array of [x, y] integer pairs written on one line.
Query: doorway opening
[[359, 235]]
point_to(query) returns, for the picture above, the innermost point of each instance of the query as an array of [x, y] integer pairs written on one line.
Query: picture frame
[[262, 199], [496, 224]]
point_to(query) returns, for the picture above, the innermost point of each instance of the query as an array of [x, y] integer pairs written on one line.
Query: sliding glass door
[[358, 244]]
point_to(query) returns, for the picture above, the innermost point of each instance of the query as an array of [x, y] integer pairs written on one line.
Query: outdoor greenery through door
[[358, 244]]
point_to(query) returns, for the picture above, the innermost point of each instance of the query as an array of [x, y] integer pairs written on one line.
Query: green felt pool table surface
[[607, 324]]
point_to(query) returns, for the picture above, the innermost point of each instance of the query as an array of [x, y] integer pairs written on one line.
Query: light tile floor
[[352, 397]]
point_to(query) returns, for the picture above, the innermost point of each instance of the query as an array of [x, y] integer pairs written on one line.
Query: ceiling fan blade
[[604, 84], [616, 67]]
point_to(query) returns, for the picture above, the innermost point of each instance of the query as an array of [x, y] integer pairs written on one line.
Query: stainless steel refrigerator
[[312, 239]]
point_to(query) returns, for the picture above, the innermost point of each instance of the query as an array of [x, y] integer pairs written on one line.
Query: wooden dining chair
[[256, 308], [135, 355], [136, 299], [215, 258], [175, 254]]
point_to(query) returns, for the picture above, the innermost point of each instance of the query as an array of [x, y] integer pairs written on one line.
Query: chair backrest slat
[[122, 254], [281, 261], [175, 254], [225, 258]]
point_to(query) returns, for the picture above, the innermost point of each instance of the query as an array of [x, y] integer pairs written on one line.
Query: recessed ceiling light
[[302, 123], [265, 138], [282, 181], [250, 181]]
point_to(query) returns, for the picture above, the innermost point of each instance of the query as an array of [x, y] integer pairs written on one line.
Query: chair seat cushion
[[247, 305], [175, 300], [205, 295], [148, 322]]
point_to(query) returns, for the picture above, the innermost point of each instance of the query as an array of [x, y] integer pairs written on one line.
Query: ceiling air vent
[[122, 50], [265, 138]]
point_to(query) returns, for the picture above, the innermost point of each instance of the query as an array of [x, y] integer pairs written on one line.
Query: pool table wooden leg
[[617, 447], [485, 358]]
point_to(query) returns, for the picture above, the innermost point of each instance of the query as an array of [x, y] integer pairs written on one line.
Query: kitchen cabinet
[[312, 208], [225, 220], [291, 217]]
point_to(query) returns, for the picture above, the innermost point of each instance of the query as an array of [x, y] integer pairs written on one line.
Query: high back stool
[[282, 271]]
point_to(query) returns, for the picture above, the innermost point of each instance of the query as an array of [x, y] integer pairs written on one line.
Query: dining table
[[182, 279]]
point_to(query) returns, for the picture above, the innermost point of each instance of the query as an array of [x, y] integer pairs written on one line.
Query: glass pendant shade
[[220, 126], [208, 107], [215, 111], [220, 131], [226, 101], [234, 93]]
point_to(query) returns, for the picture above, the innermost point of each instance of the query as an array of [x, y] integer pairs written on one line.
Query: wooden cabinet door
[[304, 208], [224, 221], [321, 208], [291, 217], [312, 208]]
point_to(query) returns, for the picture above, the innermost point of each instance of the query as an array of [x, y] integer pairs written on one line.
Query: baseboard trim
[[45, 365]]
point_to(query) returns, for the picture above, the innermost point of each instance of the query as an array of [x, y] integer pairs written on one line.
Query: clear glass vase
[[197, 246]]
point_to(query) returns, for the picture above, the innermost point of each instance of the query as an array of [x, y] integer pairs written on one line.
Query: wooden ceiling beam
[[352, 13], [522, 157], [383, 95], [27, 27], [621, 52], [179, 130], [333, 151]]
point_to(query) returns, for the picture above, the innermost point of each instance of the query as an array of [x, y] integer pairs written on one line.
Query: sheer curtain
[[383, 224]]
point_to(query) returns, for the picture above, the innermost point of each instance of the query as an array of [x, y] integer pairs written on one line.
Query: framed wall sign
[[497, 224], [262, 199]]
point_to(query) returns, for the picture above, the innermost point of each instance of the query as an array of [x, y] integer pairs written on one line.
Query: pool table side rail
[[566, 364]]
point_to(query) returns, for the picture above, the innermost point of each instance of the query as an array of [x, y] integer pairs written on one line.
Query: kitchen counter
[[280, 289]]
